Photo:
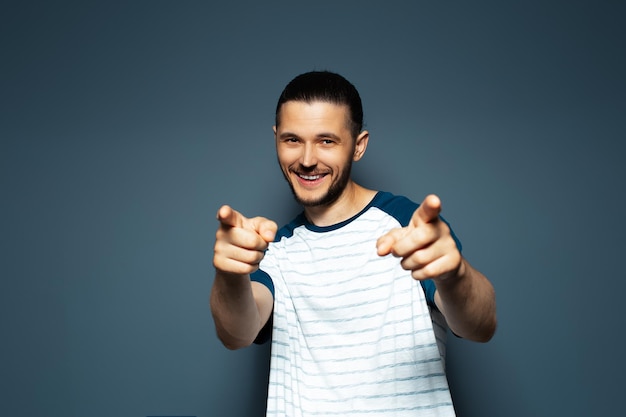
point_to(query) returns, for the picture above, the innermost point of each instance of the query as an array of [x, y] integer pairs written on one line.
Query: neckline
[[322, 229]]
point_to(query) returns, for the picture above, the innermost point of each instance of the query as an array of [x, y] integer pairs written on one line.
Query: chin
[[310, 201], [324, 199]]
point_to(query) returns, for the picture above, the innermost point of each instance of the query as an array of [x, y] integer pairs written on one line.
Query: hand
[[240, 243], [426, 245]]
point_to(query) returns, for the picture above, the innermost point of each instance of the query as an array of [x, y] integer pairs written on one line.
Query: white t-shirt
[[352, 332]]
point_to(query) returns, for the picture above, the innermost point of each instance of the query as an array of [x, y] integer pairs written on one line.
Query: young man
[[357, 290]]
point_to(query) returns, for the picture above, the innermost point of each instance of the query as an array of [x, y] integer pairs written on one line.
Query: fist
[[240, 242], [426, 246]]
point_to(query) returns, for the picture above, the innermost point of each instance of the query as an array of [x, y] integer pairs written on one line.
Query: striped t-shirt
[[352, 333]]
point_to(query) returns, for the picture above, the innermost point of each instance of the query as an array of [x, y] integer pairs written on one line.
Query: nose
[[309, 155]]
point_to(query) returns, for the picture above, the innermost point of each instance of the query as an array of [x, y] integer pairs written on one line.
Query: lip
[[310, 180]]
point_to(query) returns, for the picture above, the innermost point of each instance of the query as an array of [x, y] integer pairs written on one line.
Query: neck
[[353, 199]]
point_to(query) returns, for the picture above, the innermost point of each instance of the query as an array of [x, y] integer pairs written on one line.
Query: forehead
[[302, 114]]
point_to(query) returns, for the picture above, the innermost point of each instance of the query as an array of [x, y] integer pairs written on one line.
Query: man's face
[[315, 150]]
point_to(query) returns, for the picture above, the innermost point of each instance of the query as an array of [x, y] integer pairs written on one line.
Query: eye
[[327, 141]]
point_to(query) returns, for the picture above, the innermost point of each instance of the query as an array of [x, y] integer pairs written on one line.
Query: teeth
[[310, 177]]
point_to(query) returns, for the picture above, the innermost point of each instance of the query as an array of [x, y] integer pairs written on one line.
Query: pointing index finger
[[229, 217], [428, 211]]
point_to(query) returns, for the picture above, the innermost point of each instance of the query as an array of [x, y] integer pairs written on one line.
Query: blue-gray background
[[125, 126]]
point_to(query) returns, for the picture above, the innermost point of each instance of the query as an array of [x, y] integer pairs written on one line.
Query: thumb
[[265, 228], [385, 243], [428, 211], [230, 217]]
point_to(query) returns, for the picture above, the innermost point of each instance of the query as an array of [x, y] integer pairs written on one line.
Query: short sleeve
[[262, 277]]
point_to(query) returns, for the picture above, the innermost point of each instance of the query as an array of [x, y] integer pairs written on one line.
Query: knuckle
[[421, 257], [252, 257], [219, 263], [218, 247]]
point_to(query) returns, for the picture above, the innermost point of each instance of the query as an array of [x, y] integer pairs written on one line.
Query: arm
[[464, 296], [240, 307], [467, 301]]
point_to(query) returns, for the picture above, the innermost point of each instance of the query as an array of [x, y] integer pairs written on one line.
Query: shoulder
[[402, 209], [399, 207], [287, 231]]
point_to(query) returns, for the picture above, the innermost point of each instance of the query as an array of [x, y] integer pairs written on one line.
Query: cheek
[[281, 154], [332, 157], [340, 161], [286, 157]]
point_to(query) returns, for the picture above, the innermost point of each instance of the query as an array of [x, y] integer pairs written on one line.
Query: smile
[[310, 177], [310, 180]]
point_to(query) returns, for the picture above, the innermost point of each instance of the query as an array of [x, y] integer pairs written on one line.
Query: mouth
[[310, 177], [310, 180]]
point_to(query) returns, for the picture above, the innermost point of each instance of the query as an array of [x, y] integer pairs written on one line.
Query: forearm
[[467, 300], [235, 310]]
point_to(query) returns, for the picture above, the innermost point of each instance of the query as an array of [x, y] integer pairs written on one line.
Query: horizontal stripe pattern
[[353, 334]]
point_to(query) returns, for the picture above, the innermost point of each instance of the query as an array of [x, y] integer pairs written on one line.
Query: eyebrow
[[319, 135]]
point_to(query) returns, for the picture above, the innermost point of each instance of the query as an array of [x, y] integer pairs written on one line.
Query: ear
[[361, 145]]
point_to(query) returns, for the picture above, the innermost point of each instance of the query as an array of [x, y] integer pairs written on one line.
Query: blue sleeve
[[263, 278], [429, 290]]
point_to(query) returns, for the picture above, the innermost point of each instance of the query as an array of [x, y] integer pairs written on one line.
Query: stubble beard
[[335, 190]]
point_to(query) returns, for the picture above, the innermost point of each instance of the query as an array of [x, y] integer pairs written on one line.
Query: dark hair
[[328, 87]]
